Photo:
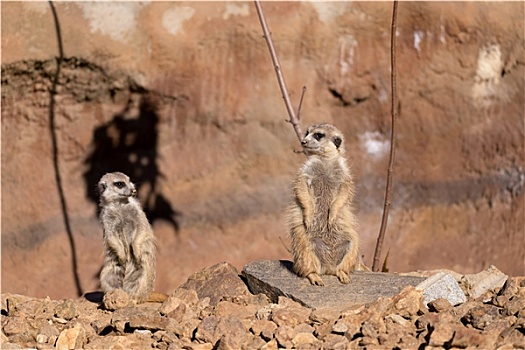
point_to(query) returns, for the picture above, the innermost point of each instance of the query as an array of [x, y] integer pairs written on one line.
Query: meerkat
[[129, 243], [321, 219]]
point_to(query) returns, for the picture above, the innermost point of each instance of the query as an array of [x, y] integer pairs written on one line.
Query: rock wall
[[183, 97]]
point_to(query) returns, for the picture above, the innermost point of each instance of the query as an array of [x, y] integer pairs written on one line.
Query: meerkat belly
[[325, 189], [328, 243]]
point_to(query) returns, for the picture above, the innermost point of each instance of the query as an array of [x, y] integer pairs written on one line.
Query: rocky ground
[[215, 310]]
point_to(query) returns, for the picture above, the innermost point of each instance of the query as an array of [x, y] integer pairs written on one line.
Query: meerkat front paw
[[308, 221], [343, 277], [315, 279]]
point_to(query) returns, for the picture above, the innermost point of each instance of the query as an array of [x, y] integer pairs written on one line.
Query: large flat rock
[[275, 278]]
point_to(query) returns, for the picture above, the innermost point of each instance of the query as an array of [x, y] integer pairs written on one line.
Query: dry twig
[[293, 119], [384, 220]]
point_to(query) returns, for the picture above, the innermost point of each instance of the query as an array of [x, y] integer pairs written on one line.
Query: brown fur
[[129, 243], [321, 220]]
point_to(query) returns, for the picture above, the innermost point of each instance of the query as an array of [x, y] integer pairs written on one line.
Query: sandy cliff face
[[183, 98]]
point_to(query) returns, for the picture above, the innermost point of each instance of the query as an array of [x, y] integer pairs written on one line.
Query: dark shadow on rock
[[94, 297], [129, 145], [287, 265]]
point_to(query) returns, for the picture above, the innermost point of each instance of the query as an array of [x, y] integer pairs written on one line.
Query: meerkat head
[[324, 140], [116, 187]]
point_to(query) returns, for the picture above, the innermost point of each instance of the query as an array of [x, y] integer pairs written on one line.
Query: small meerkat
[[321, 219], [129, 243]]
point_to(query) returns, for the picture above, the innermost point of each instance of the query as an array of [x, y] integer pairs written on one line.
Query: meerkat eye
[[318, 136], [119, 184], [337, 141]]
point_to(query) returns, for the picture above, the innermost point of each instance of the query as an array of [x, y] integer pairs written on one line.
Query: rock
[[218, 281], [284, 336], [442, 285], [271, 345], [133, 341], [242, 312], [466, 337], [275, 278], [481, 316], [49, 331], [301, 339], [213, 328], [72, 338], [131, 318], [335, 342], [291, 314], [66, 310], [324, 315], [441, 334], [116, 299], [484, 281], [264, 328], [253, 342], [408, 302], [15, 325], [439, 304]]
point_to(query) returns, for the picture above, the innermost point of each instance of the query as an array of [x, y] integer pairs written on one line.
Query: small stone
[[15, 325], [466, 337], [133, 341], [324, 315], [335, 342], [397, 319], [216, 282], [340, 327], [484, 281], [242, 312], [284, 336], [442, 285], [264, 328], [304, 338], [408, 302], [291, 314], [66, 310], [72, 338], [441, 334], [254, 342], [115, 300], [41, 338], [271, 345], [438, 305], [481, 316]]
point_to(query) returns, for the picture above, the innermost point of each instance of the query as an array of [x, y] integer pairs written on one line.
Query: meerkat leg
[[306, 263], [140, 272], [347, 253], [111, 275]]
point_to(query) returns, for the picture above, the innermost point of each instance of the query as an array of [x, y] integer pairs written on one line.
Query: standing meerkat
[[129, 243], [321, 220]]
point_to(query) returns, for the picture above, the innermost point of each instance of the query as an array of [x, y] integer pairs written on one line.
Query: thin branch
[[293, 119], [298, 115], [384, 220]]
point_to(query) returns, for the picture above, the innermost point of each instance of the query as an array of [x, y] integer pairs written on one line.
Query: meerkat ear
[[101, 187], [337, 141]]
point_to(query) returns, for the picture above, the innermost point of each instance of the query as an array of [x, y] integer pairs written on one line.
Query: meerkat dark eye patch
[[318, 136], [337, 142], [119, 184]]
